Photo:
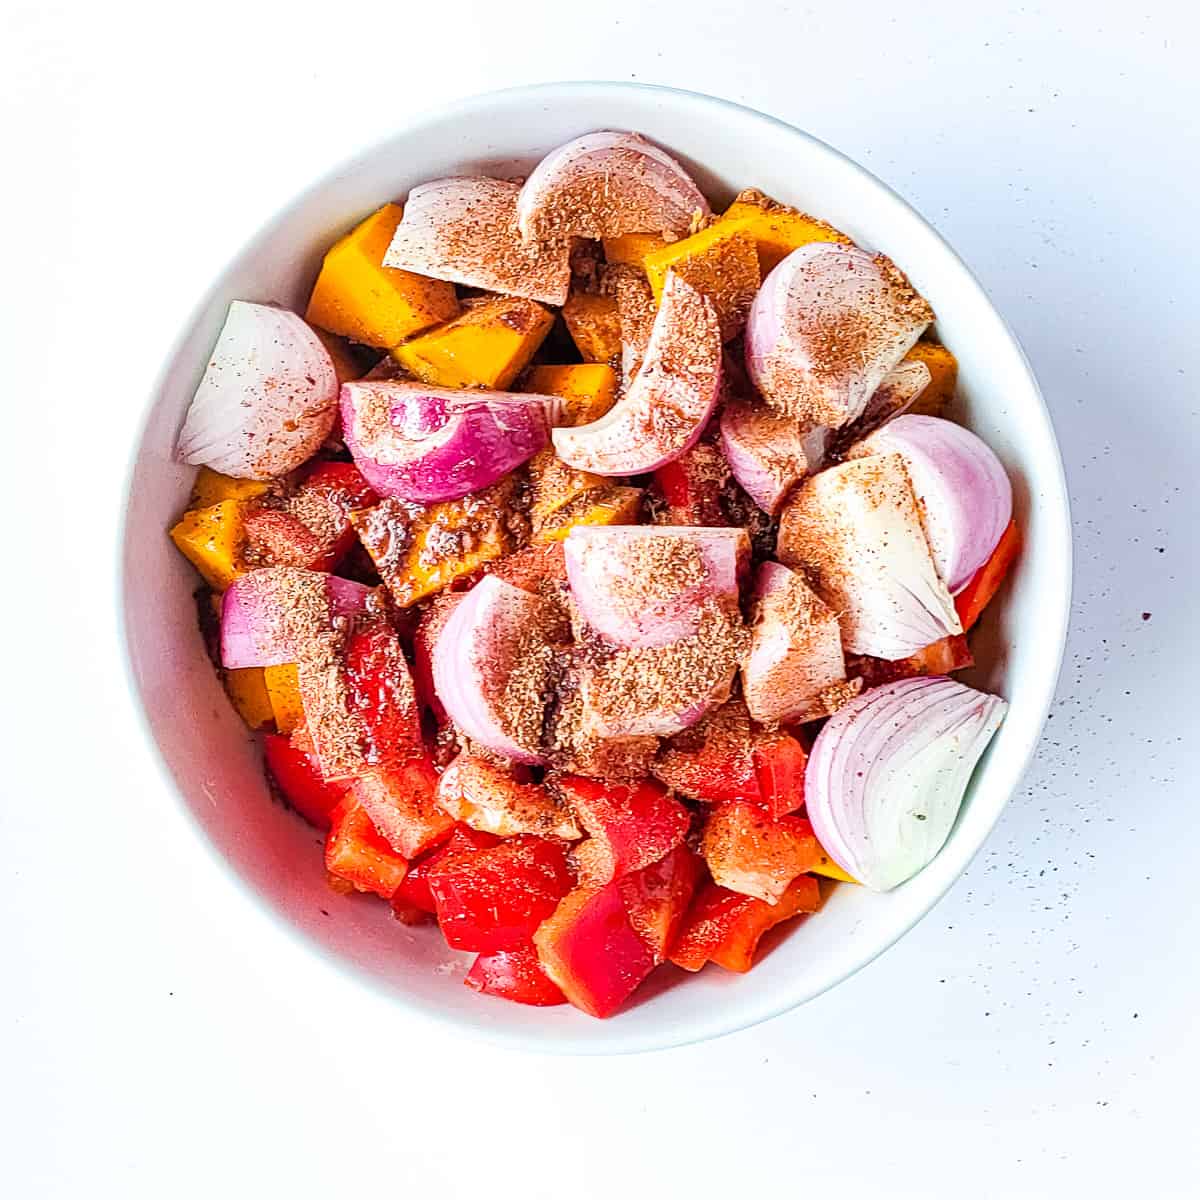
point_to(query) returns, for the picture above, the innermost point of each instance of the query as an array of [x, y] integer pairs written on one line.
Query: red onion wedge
[[465, 230], [644, 585], [855, 531], [269, 617], [828, 324], [605, 184], [765, 452], [267, 399], [964, 493], [426, 444], [795, 650], [887, 774], [492, 665], [664, 410]]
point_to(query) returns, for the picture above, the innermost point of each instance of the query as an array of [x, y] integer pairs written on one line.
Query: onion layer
[[465, 230], [644, 585], [270, 617], [855, 531], [427, 444], [765, 452], [605, 184], [267, 400], [491, 668], [664, 411], [826, 327], [887, 774], [965, 495]]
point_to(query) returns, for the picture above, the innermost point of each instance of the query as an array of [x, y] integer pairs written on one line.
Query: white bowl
[[211, 762]]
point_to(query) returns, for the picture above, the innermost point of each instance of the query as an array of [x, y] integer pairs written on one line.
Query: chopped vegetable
[[776, 228], [298, 776], [489, 799], [357, 853], [515, 975], [984, 584], [756, 855], [594, 324]]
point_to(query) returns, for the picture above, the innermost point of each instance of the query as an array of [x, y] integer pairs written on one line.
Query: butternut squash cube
[[421, 549], [357, 297], [604, 506], [488, 346], [212, 539], [720, 261], [778, 229], [943, 369], [588, 390], [632, 248], [283, 694], [247, 693], [553, 485], [594, 326], [211, 488]]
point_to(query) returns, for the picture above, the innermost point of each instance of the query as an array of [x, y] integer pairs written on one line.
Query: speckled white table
[[1035, 1036]]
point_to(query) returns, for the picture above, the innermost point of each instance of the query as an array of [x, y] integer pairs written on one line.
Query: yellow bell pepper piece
[[247, 693], [778, 229], [283, 692], [588, 390], [632, 248], [610, 506], [943, 369], [212, 539], [594, 325], [357, 297], [488, 346], [211, 488], [831, 870]]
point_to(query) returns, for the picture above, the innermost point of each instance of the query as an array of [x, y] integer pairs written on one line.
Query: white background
[[1035, 1036]]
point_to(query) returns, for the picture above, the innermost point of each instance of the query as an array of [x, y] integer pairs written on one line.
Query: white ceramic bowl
[[210, 761]]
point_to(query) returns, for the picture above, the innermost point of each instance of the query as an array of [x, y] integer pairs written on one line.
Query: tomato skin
[[591, 950], [630, 826], [490, 900], [985, 583], [726, 927], [299, 779], [414, 891], [515, 975], [656, 898], [357, 853]]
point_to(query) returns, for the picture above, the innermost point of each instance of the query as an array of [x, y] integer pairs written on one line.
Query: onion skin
[[658, 612], [664, 411], [765, 452], [605, 184], [426, 444], [964, 493], [493, 632], [267, 399], [855, 531], [827, 326], [887, 774]]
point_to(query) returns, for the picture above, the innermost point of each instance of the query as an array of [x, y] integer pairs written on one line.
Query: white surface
[[1036, 1036]]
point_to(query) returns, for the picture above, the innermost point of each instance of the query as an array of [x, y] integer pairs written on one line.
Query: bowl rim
[[726, 1019]]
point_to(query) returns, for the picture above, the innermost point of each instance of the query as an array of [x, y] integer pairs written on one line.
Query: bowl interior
[[213, 762]]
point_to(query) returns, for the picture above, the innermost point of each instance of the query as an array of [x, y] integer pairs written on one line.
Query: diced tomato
[[630, 826], [414, 891], [380, 690], [299, 779], [748, 852], [515, 975], [657, 897], [938, 658], [780, 762], [691, 486], [355, 851], [590, 948], [725, 927], [401, 802], [432, 621], [985, 583], [490, 900]]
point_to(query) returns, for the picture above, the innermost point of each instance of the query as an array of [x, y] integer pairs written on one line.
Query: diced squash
[[831, 870], [211, 488], [248, 694], [594, 326], [632, 248], [553, 485], [212, 539], [357, 297], [607, 506], [421, 549], [283, 693], [720, 261], [488, 346], [588, 390], [776, 228], [943, 370]]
